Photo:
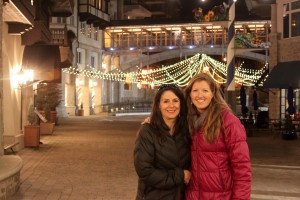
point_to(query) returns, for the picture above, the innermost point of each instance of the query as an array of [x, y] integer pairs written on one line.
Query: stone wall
[[288, 49], [9, 186], [10, 167]]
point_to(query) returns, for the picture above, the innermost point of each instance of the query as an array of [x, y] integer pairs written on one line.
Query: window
[[72, 20], [291, 19], [286, 29], [89, 31], [92, 61], [96, 34], [61, 20], [82, 28], [98, 4], [295, 24], [79, 61], [295, 5], [92, 2], [127, 86]]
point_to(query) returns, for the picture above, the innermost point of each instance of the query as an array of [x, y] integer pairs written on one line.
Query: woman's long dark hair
[[158, 123]]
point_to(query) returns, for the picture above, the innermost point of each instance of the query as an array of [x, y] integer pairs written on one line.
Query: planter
[[31, 136], [53, 117], [80, 112], [42, 114], [46, 128]]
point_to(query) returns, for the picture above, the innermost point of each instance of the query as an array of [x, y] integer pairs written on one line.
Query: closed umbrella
[[255, 102], [243, 100], [290, 95]]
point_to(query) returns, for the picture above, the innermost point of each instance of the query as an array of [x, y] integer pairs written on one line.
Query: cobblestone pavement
[[91, 158]]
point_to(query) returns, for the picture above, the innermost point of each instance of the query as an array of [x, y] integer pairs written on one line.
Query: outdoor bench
[[10, 146]]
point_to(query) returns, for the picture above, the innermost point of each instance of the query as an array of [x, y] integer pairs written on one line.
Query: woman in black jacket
[[162, 149]]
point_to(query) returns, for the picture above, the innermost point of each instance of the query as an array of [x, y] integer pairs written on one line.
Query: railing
[[128, 107], [58, 36], [163, 39], [183, 35]]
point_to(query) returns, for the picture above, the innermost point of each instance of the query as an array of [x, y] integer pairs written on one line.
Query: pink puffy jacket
[[221, 171]]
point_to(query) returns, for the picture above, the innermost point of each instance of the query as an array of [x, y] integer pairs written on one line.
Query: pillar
[[230, 95]]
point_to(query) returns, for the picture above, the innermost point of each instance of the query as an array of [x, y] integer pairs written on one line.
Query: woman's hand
[[146, 121], [187, 176]]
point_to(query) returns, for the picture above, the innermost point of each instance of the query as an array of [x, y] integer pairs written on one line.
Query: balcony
[[19, 16], [93, 14], [62, 8], [60, 38], [39, 34]]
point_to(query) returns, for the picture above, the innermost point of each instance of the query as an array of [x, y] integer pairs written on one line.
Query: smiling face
[[169, 105], [201, 95]]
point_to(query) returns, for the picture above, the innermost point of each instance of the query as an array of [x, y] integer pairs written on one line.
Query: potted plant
[[47, 127], [289, 132], [81, 111], [32, 131], [49, 94]]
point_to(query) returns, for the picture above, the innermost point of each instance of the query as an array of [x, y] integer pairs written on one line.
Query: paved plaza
[[91, 158]]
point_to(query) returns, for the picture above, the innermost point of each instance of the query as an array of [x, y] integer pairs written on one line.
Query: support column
[[274, 54], [1, 86], [231, 97]]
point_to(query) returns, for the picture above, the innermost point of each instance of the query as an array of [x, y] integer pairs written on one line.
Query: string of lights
[[179, 73]]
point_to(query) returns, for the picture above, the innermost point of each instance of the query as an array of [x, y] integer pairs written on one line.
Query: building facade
[[25, 39], [284, 36]]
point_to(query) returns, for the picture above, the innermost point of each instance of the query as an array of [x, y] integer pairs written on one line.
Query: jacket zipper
[[179, 163]]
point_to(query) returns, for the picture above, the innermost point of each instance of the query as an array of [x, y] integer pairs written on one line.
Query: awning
[[283, 75], [44, 60]]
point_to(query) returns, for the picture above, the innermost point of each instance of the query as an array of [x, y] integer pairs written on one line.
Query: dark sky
[[241, 11]]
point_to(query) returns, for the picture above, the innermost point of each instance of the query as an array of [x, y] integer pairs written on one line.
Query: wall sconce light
[[21, 77], [293, 23]]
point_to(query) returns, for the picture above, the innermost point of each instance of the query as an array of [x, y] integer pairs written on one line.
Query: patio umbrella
[[290, 95], [243, 100], [255, 103]]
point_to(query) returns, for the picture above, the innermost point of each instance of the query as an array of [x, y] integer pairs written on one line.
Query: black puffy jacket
[[159, 164]]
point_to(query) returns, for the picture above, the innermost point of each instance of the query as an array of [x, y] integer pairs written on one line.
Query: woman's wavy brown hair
[[210, 120]]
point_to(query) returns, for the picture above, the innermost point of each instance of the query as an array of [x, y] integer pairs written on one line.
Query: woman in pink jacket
[[220, 164]]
